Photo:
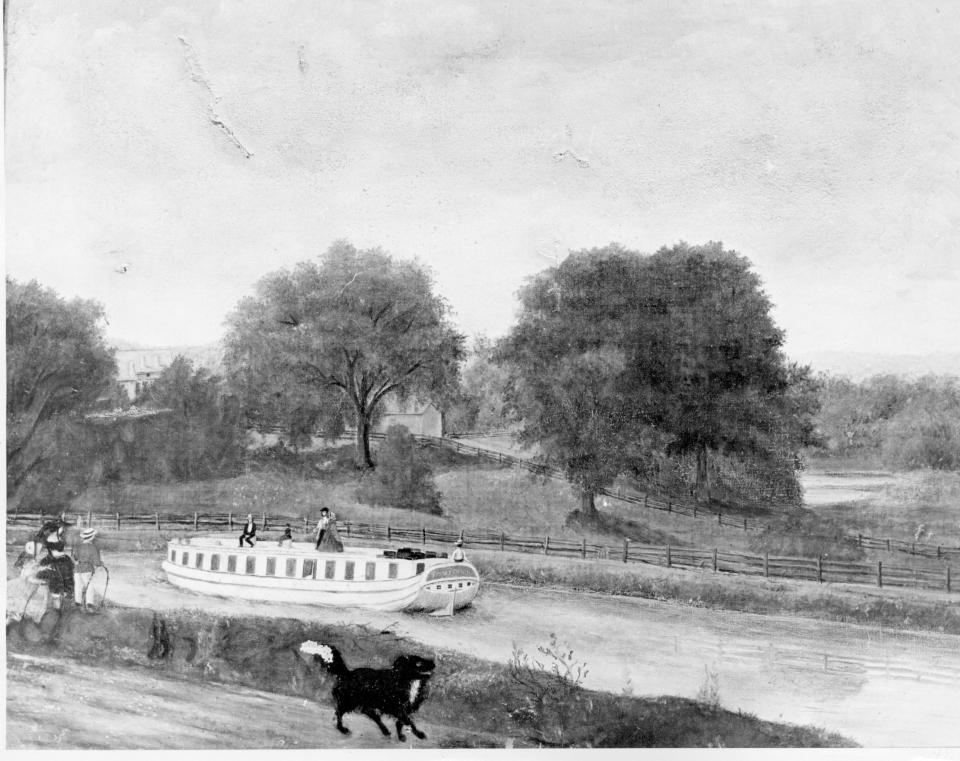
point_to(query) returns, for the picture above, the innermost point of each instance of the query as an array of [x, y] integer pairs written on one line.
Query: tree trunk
[[703, 474], [364, 461], [587, 506]]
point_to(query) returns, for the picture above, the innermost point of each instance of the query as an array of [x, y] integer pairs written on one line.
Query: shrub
[[402, 478]]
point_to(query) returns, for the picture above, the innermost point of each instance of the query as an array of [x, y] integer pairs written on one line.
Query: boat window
[[328, 569], [173, 556], [348, 570], [370, 572], [214, 562], [251, 564], [308, 568], [232, 563], [199, 560], [271, 566], [392, 570], [420, 568], [291, 566], [185, 558]]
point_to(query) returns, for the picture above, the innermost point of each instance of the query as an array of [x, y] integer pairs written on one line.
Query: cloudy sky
[[208, 143]]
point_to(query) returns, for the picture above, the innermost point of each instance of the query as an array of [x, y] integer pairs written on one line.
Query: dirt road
[[881, 688], [135, 708]]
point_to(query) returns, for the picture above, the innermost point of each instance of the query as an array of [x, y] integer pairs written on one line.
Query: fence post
[[669, 559], [938, 552], [626, 549], [720, 518], [264, 516], [89, 519], [948, 578], [888, 545], [744, 524], [583, 548], [644, 500], [348, 528], [913, 548], [820, 569], [766, 564], [859, 540], [157, 516], [196, 520], [694, 509], [880, 573], [388, 532], [669, 506], [230, 520], [423, 535], [501, 541], [461, 535], [118, 521], [714, 559], [546, 544], [305, 527]]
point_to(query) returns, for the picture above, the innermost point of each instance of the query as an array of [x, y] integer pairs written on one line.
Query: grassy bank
[[516, 706], [924, 611]]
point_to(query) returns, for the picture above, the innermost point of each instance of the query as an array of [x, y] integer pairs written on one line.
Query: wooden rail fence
[[820, 569]]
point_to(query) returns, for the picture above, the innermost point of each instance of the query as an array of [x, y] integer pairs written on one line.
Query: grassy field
[[481, 704]]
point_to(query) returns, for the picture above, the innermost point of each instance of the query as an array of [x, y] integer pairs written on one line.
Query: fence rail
[[822, 570]]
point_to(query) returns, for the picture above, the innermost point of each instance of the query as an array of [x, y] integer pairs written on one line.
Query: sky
[[205, 144]]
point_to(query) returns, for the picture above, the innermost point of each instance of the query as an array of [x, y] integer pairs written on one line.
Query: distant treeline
[[899, 423]]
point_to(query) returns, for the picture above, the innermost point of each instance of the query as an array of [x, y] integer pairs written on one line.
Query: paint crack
[[199, 75]]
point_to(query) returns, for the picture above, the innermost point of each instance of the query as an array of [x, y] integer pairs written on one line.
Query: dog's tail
[[325, 655]]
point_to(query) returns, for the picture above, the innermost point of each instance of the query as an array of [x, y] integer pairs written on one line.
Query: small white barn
[[420, 419]]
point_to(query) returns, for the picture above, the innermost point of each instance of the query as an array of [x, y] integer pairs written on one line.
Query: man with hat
[[87, 555]]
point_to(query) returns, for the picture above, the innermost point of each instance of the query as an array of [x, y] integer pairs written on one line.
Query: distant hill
[[861, 365]]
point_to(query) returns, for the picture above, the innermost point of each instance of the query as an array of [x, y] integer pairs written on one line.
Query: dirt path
[[134, 708]]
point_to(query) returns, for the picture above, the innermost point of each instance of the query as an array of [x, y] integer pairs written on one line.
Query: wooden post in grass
[[423, 535], [501, 541], [89, 519], [820, 569], [714, 559], [583, 548], [348, 528], [669, 506], [196, 521], [388, 532], [880, 573], [744, 524], [118, 521], [859, 540], [948, 578], [694, 509], [939, 553], [230, 520], [644, 500], [888, 545], [766, 564], [626, 549], [720, 518], [305, 526], [546, 544], [264, 522], [669, 559], [157, 516], [913, 548]]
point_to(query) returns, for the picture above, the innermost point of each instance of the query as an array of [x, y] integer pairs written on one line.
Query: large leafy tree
[[710, 357], [342, 334], [199, 433], [568, 361], [57, 366]]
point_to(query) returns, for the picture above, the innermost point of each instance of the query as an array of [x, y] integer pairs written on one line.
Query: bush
[[402, 478]]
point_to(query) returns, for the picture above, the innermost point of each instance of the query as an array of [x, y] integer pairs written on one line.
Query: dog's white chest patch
[[414, 691]]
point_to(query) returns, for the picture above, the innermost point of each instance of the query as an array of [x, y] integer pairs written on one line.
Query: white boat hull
[[357, 577]]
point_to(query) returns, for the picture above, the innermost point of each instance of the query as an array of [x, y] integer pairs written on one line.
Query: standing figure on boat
[[328, 538], [249, 531]]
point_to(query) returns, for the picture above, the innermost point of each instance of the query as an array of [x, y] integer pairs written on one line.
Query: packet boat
[[365, 577]]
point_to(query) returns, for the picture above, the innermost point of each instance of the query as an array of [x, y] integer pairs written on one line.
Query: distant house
[[138, 368], [420, 419]]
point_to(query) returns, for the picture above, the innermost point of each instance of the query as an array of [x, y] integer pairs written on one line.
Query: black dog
[[397, 692]]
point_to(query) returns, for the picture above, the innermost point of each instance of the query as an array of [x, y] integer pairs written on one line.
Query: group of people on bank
[[326, 536], [53, 576]]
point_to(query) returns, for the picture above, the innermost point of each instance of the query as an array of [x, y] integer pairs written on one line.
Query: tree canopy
[[611, 346], [57, 366], [339, 335]]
